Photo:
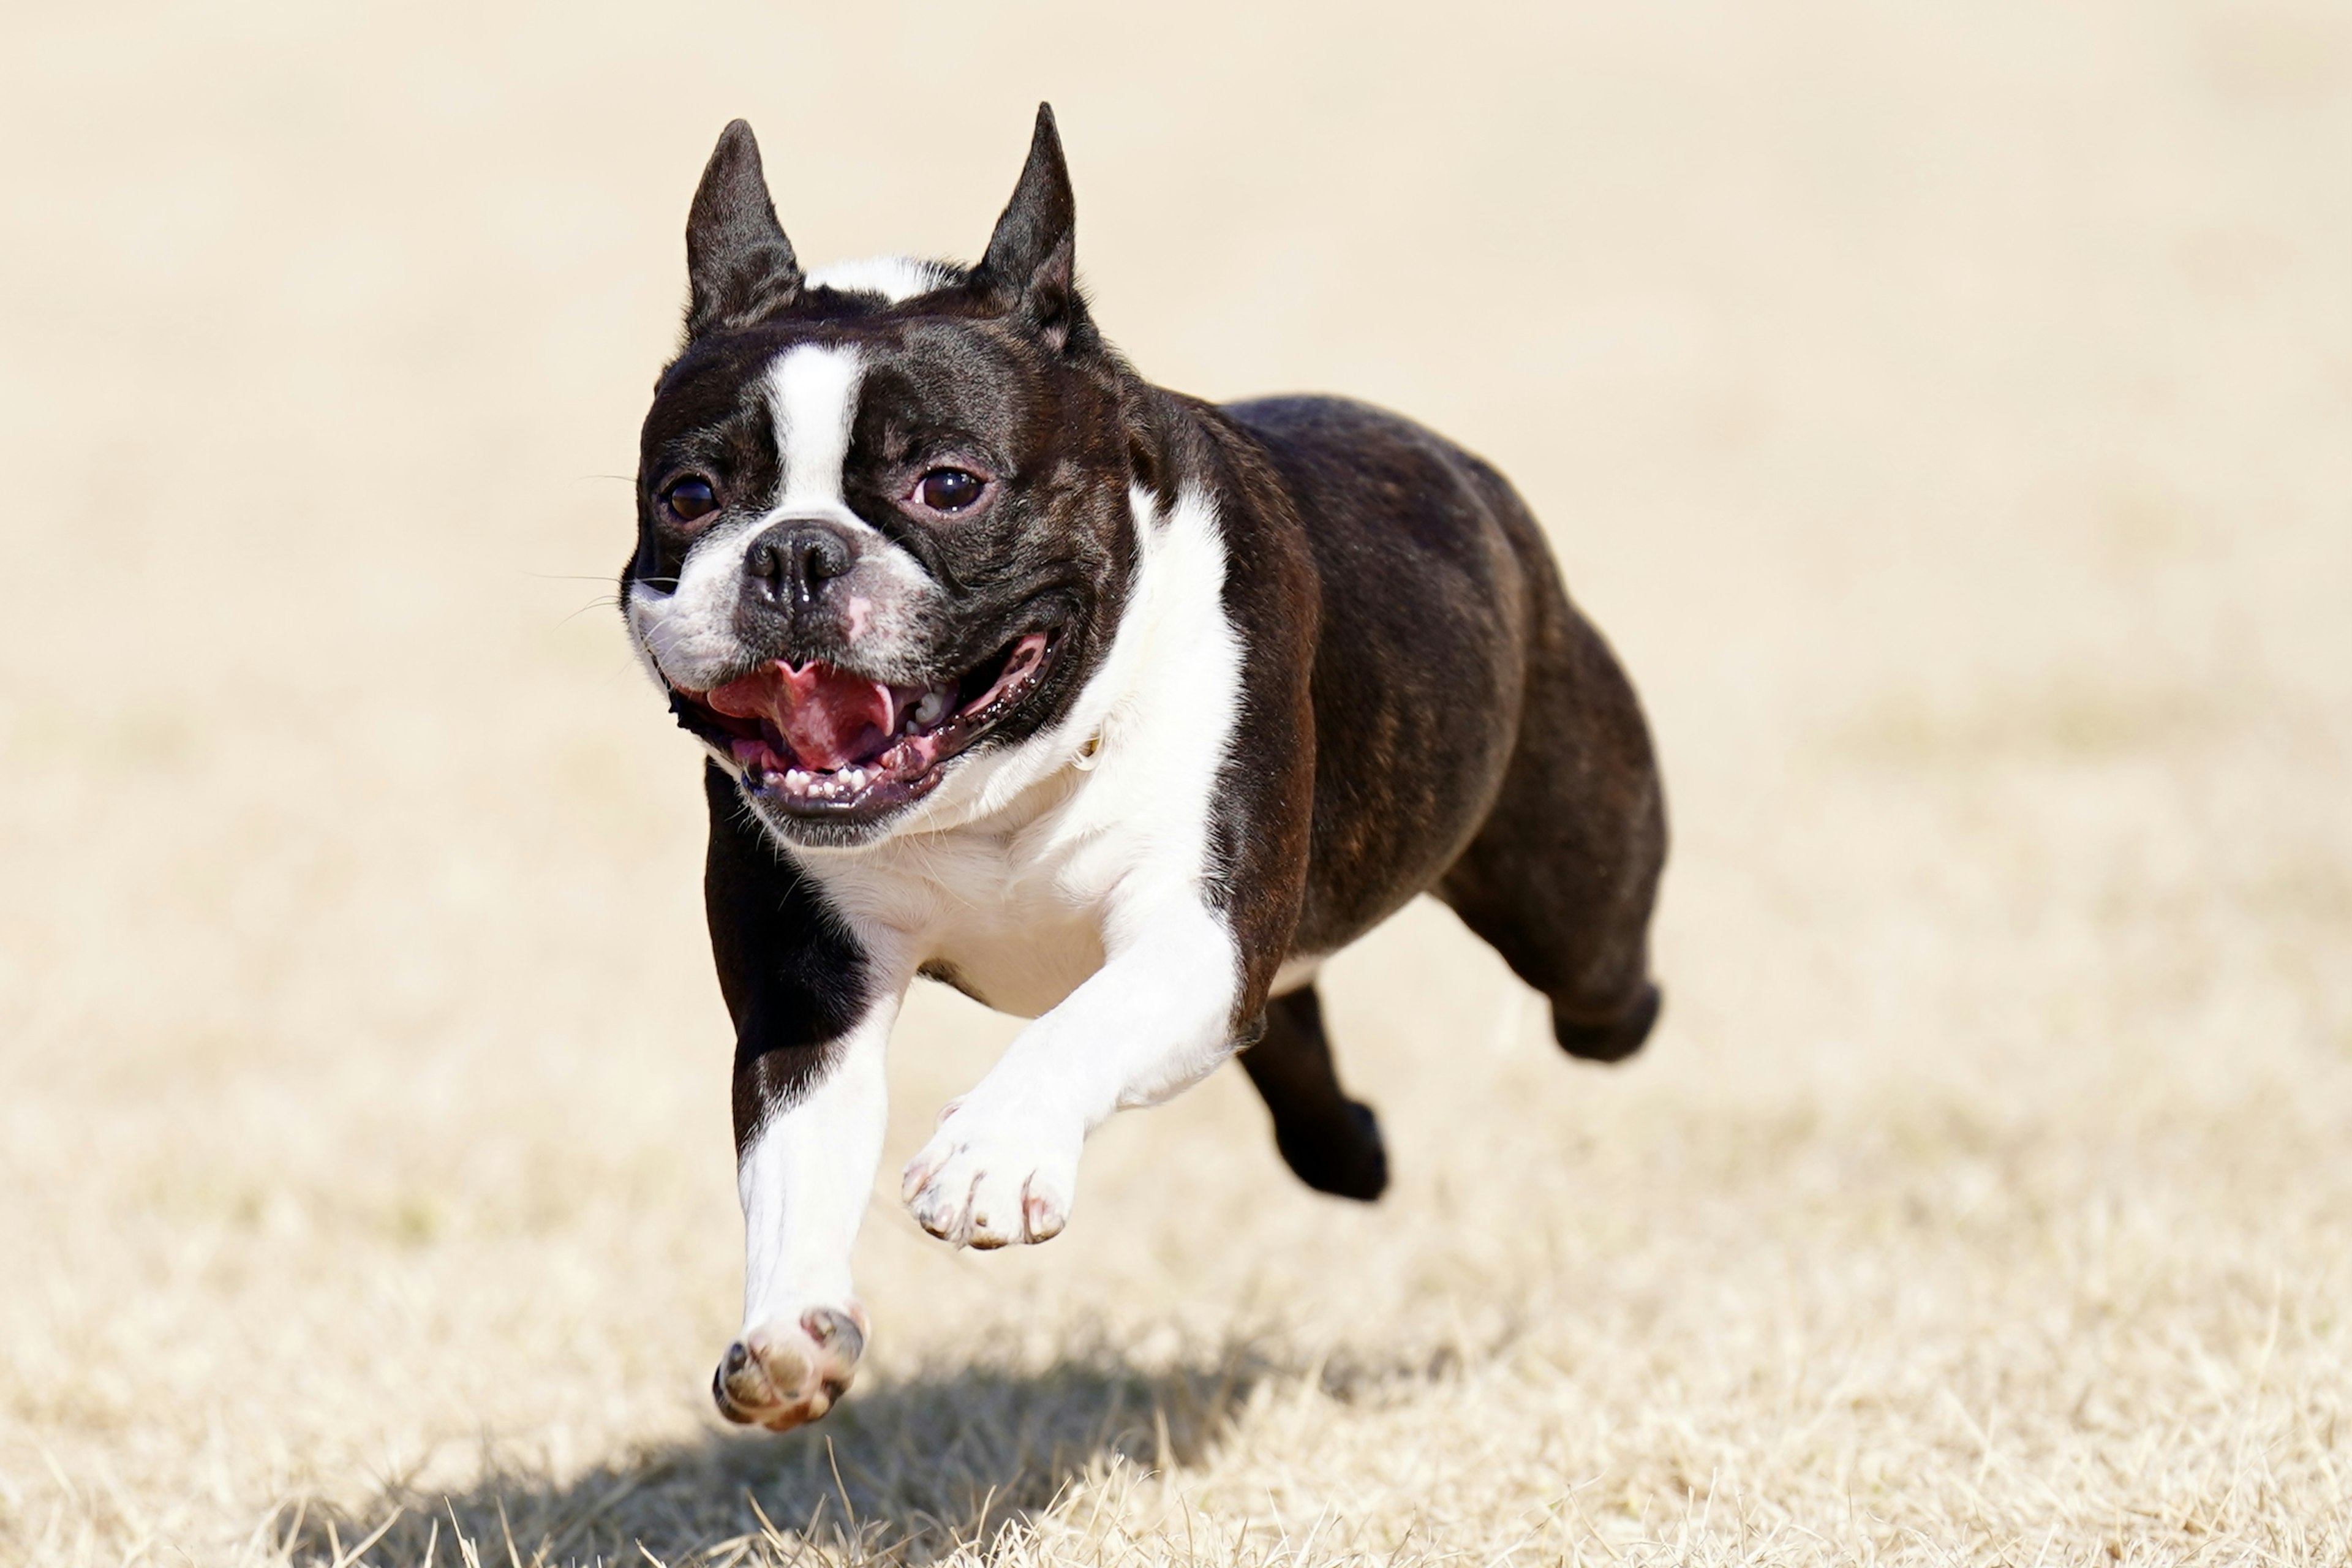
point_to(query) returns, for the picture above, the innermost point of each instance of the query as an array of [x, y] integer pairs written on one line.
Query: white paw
[[985, 1180], [785, 1373]]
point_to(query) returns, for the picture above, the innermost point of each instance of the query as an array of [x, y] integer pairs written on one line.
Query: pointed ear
[[1031, 265], [738, 262]]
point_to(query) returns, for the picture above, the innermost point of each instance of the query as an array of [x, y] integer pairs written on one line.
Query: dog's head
[[883, 525]]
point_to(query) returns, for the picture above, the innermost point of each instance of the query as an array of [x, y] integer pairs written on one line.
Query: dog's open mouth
[[817, 739]]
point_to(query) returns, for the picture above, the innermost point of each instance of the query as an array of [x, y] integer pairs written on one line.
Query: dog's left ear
[[1031, 265]]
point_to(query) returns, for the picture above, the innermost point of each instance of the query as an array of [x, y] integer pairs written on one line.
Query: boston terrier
[[1110, 708]]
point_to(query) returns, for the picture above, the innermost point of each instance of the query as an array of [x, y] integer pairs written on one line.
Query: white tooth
[[854, 778], [927, 711], [796, 779]]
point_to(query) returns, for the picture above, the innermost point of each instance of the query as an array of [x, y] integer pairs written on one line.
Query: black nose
[[789, 564]]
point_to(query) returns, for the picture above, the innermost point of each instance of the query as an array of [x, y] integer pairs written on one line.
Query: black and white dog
[[1108, 707]]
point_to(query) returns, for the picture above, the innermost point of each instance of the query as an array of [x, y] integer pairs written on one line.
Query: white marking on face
[[813, 393], [687, 632], [897, 278]]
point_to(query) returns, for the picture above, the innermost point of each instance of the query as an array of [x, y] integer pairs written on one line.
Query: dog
[[1108, 707]]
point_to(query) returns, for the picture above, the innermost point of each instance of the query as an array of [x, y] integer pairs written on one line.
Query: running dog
[[1108, 707]]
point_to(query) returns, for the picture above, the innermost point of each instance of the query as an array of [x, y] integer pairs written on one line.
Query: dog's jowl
[[1109, 708]]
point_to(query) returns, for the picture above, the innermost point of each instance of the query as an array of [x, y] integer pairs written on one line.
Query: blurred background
[[1947, 410]]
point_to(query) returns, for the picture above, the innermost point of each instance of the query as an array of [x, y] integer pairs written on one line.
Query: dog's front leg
[[1158, 1016], [812, 1003], [804, 1166]]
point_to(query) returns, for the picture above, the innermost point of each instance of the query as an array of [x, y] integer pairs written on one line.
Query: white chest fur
[[1015, 914]]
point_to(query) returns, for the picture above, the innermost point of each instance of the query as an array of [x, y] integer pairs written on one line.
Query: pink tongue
[[830, 719]]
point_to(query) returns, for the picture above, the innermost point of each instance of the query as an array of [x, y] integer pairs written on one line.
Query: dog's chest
[[1012, 922], [1024, 960]]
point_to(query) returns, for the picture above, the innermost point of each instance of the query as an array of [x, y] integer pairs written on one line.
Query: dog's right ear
[[740, 265]]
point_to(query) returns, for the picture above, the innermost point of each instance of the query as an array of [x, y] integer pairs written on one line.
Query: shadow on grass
[[903, 1473]]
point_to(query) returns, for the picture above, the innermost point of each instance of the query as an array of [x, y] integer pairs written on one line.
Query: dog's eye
[[691, 499], [949, 489]]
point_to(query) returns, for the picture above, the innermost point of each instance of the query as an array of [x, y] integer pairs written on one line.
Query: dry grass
[[1945, 410]]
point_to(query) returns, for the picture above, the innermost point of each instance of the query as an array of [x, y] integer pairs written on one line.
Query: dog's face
[[883, 521]]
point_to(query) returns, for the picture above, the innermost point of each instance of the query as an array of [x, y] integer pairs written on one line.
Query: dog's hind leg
[[1562, 875], [1331, 1142]]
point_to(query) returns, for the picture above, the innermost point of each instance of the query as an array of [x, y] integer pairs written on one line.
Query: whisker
[[607, 603]]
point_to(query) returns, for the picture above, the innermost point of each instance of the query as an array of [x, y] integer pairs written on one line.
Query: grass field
[[1946, 410]]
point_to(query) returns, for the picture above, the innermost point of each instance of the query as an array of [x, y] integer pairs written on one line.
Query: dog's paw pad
[[786, 1373], [971, 1188]]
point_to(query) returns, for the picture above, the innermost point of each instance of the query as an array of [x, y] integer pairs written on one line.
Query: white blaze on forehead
[[813, 393], [895, 278]]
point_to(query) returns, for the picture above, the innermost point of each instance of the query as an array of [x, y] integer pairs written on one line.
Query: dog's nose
[[791, 563]]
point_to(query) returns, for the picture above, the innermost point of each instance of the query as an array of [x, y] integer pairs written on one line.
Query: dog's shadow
[[903, 1473]]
